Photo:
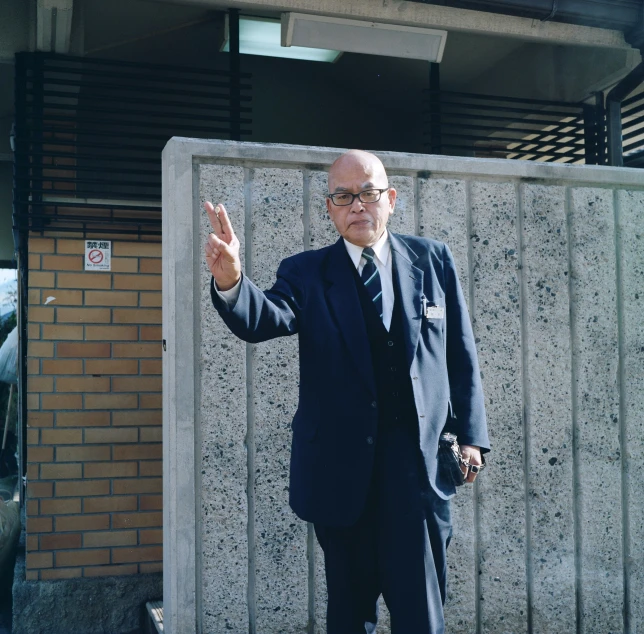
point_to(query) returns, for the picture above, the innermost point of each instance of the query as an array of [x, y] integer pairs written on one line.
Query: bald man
[[387, 357]]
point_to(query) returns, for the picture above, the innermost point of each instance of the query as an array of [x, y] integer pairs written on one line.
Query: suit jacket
[[336, 420]]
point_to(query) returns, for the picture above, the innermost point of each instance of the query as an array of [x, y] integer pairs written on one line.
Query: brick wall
[[94, 411]]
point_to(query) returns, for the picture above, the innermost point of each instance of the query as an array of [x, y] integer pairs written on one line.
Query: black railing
[[633, 130], [466, 124], [89, 135]]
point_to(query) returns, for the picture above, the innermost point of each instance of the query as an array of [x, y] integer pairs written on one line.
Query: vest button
[[374, 404], [390, 343], [370, 440], [393, 368]]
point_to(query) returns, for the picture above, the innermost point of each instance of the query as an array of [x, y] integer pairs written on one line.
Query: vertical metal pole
[[590, 134], [235, 87], [435, 107], [614, 122], [600, 125]]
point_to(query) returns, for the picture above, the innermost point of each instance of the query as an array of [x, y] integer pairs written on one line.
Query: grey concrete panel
[[403, 219], [443, 216], [549, 408], [321, 230], [498, 333], [224, 502], [281, 563], [631, 251], [597, 403]]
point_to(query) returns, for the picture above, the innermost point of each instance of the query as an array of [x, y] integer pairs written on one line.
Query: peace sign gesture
[[222, 249]]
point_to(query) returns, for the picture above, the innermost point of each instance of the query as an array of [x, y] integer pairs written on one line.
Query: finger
[[220, 246], [225, 222], [213, 216]]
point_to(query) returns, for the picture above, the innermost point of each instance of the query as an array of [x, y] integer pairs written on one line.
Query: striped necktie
[[371, 279]]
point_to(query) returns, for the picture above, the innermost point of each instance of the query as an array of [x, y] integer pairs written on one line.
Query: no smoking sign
[[98, 255]]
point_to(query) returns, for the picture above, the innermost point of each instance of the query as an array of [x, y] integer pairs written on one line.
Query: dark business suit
[[337, 459]]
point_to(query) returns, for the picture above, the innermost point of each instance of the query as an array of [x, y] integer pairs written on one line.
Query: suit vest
[[396, 406]]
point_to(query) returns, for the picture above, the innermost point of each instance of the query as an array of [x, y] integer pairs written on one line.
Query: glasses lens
[[370, 196], [342, 199]]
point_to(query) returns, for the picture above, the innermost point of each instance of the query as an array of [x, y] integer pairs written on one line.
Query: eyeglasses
[[343, 199]]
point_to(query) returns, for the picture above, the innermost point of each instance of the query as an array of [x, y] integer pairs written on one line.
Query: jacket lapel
[[410, 283], [344, 305]]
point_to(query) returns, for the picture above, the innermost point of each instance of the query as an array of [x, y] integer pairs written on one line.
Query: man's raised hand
[[222, 249]]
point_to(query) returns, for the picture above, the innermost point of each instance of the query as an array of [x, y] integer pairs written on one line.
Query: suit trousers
[[397, 548]]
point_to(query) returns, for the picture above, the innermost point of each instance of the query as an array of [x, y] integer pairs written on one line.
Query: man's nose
[[357, 205]]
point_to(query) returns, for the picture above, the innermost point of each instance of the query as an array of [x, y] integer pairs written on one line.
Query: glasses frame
[[358, 196]]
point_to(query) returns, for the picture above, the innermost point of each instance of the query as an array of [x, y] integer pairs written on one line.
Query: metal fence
[[89, 135], [487, 126], [633, 130]]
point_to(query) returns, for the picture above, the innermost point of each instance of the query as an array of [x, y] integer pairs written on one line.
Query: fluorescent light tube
[[262, 36]]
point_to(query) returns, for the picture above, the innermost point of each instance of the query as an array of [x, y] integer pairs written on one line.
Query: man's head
[[355, 172]]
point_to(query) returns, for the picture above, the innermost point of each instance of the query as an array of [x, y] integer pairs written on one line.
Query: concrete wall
[[551, 260]]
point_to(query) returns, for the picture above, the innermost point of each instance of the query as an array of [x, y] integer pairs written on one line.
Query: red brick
[[32, 507], [82, 453], [70, 246], [62, 401], [151, 568], [42, 279], [151, 502], [73, 488], [138, 417], [83, 350], [136, 384], [137, 520], [110, 538], [110, 504], [32, 575], [138, 452], [137, 316], [41, 245], [61, 436], [150, 299], [152, 265], [62, 262], [59, 542], [151, 366], [32, 472], [141, 485], [111, 435], [66, 506], [150, 468], [82, 557], [40, 560], [39, 525], [142, 553], [110, 571], [33, 436], [40, 419], [33, 366], [82, 419], [125, 265], [83, 315], [84, 280], [82, 384], [111, 470], [61, 573], [33, 296], [40, 489], [40, 384], [33, 401], [150, 401], [43, 314], [64, 332], [43, 349], [40, 454], [32, 543], [111, 333], [111, 366], [111, 298], [62, 366], [82, 522], [33, 332], [151, 536], [111, 401], [64, 298], [137, 350], [71, 471], [151, 333]]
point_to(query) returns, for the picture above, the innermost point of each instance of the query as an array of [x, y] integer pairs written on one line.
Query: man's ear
[[392, 193]]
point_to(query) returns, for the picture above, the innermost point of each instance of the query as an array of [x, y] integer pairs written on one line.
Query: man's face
[[360, 223]]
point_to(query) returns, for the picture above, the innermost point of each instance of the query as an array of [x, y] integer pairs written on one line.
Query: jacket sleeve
[[466, 388], [261, 315]]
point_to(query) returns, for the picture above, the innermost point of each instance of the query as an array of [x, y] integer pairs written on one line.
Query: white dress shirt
[[382, 260]]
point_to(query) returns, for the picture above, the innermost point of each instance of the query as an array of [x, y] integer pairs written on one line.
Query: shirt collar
[[382, 249]]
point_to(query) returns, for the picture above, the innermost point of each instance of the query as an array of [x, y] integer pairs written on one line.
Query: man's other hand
[[222, 249], [473, 456]]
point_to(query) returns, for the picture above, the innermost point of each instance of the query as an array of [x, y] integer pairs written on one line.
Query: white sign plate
[[98, 255]]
